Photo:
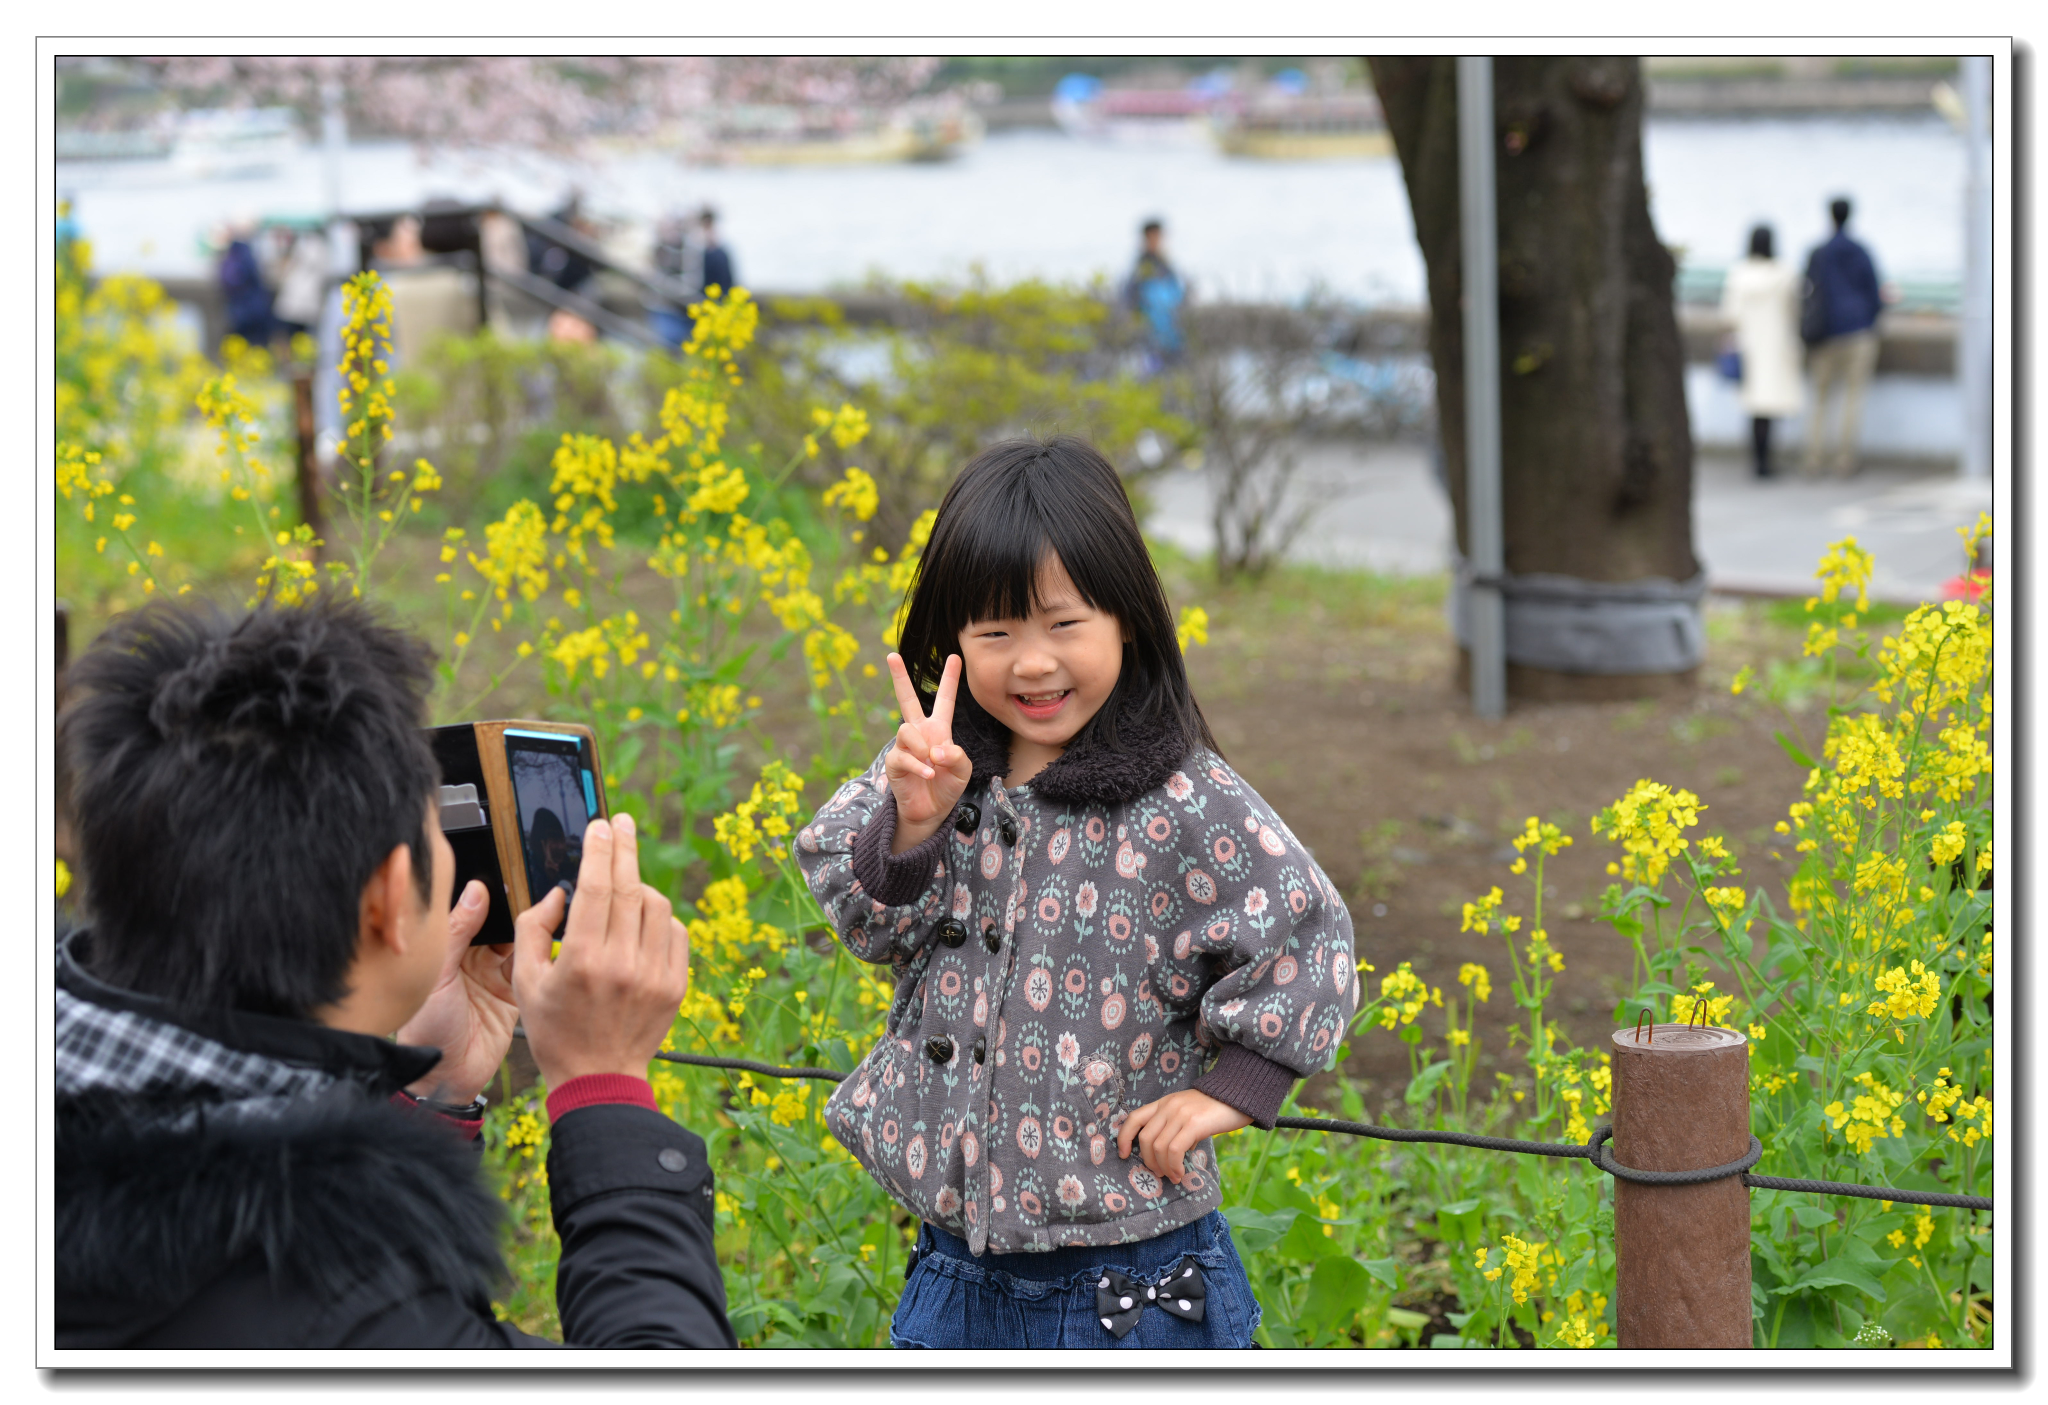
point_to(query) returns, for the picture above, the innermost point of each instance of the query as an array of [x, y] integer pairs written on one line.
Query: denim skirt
[[951, 1299]]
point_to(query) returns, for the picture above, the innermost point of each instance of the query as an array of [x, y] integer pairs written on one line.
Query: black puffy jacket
[[337, 1218]]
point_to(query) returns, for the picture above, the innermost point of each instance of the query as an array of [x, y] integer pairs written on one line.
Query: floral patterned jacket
[[1131, 923]]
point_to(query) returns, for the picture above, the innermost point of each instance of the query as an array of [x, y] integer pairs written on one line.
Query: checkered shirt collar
[[118, 1051], [117, 1042]]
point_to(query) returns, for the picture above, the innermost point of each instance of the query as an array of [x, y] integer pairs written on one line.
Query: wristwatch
[[471, 1113]]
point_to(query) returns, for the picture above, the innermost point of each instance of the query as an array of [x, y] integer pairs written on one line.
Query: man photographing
[[244, 1157]]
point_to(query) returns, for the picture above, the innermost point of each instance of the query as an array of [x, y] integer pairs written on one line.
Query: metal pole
[[1486, 634], [1973, 348], [1681, 1252]]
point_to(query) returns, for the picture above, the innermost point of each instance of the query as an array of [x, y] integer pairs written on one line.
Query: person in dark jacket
[[559, 264], [710, 263], [1842, 279], [243, 290], [717, 271], [244, 1159]]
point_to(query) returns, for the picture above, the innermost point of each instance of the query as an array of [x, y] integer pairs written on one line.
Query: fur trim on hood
[[1149, 748], [342, 1195]]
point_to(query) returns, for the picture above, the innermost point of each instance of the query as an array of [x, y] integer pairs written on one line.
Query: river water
[[1042, 203]]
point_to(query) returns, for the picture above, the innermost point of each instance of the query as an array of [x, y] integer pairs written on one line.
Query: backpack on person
[[1813, 304]]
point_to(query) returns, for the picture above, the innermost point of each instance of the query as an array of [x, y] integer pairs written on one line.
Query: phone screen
[[556, 794]]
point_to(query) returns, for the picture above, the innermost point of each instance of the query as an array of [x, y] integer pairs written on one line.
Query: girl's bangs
[[992, 570]]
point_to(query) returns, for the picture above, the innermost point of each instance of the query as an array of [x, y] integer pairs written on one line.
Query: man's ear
[[387, 901]]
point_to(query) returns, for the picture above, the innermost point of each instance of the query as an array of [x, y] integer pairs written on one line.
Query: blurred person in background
[[1761, 299], [561, 266], [241, 284], [677, 260], [711, 262], [1155, 292], [67, 226], [513, 311], [1839, 324], [428, 299], [715, 270], [400, 247], [302, 286]]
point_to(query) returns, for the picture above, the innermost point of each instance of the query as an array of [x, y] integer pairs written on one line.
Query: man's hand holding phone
[[470, 1014], [607, 1001]]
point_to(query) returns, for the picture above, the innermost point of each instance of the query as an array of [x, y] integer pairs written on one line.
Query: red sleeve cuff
[[595, 1088]]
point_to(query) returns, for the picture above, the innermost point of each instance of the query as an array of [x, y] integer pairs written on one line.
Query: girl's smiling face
[[1045, 675]]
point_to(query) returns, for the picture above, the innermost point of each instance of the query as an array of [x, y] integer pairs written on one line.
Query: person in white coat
[[1761, 298]]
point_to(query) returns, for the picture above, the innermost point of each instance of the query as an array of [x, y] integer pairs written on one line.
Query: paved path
[[1380, 507]]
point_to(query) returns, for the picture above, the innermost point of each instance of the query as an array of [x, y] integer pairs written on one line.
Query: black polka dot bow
[[1119, 1300]]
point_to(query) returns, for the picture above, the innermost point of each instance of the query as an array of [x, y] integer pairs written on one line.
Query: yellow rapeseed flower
[[1474, 975], [1846, 566], [856, 492], [1649, 823]]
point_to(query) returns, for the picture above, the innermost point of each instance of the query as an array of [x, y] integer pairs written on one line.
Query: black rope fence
[[1594, 1150]]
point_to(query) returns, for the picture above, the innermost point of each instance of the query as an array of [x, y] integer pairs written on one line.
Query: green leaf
[[1812, 1216], [1839, 1271], [1306, 1241], [1458, 1222], [1792, 749], [1408, 1324], [1384, 1270], [1336, 1291], [1424, 1084], [1258, 1230]]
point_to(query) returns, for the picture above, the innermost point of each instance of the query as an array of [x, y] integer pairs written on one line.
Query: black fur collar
[[1149, 748], [344, 1195]]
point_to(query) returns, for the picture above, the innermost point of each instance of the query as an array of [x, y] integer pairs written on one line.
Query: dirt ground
[[1342, 712]]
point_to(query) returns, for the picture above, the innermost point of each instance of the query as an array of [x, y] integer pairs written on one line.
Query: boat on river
[[1302, 127], [789, 136], [1083, 107]]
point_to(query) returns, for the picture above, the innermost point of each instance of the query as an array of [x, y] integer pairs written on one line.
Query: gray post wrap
[[1568, 625]]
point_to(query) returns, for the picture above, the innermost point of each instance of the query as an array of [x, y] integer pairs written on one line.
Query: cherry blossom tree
[[555, 104]]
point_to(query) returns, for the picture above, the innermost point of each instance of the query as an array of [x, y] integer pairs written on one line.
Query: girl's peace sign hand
[[927, 772]]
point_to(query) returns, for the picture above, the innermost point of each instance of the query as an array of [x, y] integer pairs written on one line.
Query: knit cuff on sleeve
[[894, 879], [595, 1088], [1249, 1082]]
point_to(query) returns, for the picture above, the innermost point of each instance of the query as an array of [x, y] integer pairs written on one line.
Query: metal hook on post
[[1640, 1017], [1698, 1020]]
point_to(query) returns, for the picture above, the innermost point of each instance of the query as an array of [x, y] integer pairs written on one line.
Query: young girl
[[1107, 948]]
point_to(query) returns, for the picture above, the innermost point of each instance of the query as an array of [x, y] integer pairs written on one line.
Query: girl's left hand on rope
[[1173, 1127]]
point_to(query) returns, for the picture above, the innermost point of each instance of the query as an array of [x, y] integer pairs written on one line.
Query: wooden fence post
[[1681, 1103]]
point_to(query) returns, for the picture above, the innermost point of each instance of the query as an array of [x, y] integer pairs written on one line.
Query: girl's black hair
[[1760, 242], [1018, 503]]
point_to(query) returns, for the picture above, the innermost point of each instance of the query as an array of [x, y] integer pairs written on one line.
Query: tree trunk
[[1596, 449]]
